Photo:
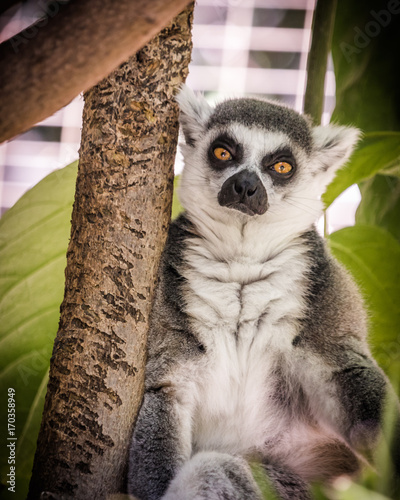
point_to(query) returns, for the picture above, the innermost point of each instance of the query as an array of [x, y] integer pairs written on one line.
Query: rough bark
[[119, 224], [44, 67]]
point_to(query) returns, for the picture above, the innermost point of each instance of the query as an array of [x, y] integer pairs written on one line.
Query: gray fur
[[156, 460], [264, 114], [214, 476], [286, 483], [257, 345]]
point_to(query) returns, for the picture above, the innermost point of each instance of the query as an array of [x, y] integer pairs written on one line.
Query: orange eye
[[282, 167], [222, 154]]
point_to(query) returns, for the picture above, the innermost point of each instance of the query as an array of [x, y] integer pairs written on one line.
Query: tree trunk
[[119, 224]]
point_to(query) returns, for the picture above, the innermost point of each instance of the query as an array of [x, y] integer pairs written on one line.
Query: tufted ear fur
[[194, 114], [333, 146]]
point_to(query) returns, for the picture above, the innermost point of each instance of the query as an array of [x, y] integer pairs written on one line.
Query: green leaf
[[356, 491], [372, 256], [262, 481], [33, 242], [379, 152], [176, 206], [380, 204], [27, 439], [366, 65]]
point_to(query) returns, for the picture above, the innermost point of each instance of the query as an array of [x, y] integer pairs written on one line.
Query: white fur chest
[[245, 313]]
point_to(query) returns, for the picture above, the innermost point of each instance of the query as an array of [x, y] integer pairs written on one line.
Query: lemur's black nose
[[246, 185], [245, 192]]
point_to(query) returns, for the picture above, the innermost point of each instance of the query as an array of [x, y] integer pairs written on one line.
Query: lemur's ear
[[194, 114], [333, 146]]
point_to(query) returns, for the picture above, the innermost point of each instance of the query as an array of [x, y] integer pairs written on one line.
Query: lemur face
[[254, 158], [252, 166]]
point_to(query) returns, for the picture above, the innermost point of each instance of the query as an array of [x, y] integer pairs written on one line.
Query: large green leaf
[[380, 203], [372, 255], [378, 152], [33, 241], [365, 55]]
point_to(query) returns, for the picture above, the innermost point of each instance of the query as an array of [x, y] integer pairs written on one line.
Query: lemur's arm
[[348, 396], [346, 388], [357, 402], [161, 443]]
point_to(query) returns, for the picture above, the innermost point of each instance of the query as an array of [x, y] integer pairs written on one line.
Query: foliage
[[365, 39], [33, 240], [372, 255], [367, 96], [380, 203], [176, 206], [377, 153], [262, 481]]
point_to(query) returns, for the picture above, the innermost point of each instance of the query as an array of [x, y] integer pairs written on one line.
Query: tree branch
[[322, 30], [44, 67]]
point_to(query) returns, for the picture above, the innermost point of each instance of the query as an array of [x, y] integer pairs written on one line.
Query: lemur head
[[251, 158]]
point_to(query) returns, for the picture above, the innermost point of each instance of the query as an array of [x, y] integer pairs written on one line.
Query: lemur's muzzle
[[245, 192]]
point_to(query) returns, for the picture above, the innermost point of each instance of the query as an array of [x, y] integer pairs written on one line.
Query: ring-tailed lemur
[[257, 347]]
